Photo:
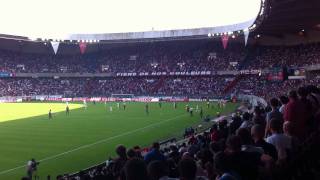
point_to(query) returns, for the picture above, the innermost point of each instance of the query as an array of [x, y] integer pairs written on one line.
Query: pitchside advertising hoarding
[[60, 98]]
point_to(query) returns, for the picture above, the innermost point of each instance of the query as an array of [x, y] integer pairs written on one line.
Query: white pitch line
[[95, 143]]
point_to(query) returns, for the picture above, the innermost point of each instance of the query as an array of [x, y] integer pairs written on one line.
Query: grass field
[[86, 137]]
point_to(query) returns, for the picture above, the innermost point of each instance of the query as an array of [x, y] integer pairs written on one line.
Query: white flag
[[246, 35], [55, 46]]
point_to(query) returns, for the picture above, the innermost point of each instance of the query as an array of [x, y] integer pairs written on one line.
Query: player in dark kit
[[147, 109], [175, 105], [201, 113], [67, 110], [50, 114], [160, 104], [124, 106]]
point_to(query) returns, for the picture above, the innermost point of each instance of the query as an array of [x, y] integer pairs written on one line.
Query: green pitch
[[86, 137]]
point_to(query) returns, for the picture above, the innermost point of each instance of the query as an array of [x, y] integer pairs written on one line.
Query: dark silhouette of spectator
[[120, 161], [154, 154], [295, 112], [223, 168], [274, 113], [257, 133], [135, 169], [187, 169], [284, 101]]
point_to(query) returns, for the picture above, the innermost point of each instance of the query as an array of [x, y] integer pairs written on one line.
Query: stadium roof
[[291, 16]]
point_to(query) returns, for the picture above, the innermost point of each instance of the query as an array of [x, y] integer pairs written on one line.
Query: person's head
[[284, 100], [214, 126], [274, 103], [245, 136], [204, 155], [257, 132], [275, 125], [174, 148], [121, 151], [157, 169], [131, 153], [246, 116], [293, 95], [257, 111], [156, 145], [302, 92], [233, 144], [287, 128], [135, 169], [187, 169]]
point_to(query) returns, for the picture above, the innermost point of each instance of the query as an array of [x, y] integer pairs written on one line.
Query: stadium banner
[[251, 71], [83, 47], [55, 46], [179, 73], [224, 39]]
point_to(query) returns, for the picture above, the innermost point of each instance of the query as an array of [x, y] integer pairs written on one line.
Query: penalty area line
[[95, 143]]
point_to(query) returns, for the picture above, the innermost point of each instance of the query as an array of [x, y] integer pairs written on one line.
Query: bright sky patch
[[48, 19]]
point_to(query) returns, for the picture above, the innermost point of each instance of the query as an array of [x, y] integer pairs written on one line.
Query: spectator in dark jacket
[[154, 154]]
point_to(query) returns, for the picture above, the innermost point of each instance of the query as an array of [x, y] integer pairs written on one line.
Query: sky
[[58, 18]]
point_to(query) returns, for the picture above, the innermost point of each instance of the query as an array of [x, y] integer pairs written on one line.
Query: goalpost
[[122, 95]]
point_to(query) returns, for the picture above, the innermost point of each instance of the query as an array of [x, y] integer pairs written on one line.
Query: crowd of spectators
[[277, 56], [158, 57], [192, 87], [276, 142], [87, 87], [162, 57], [262, 87]]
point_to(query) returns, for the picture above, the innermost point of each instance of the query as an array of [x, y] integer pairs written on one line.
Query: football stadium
[[160, 90]]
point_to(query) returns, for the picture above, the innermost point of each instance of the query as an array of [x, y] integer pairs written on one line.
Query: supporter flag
[[55, 46], [246, 35], [225, 39], [83, 47]]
